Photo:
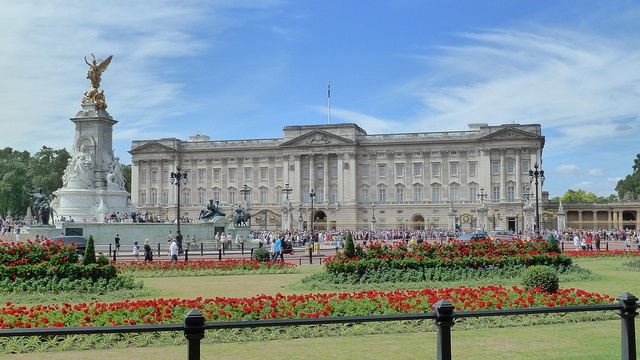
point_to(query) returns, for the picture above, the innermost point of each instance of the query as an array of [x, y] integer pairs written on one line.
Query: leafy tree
[[47, 167], [126, 173], [21, 174], [15, 182], [581, 196], [630, 185]]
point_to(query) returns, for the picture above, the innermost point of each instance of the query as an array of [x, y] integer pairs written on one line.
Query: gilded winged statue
[[96, 68]]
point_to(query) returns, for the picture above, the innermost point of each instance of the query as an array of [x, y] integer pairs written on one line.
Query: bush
[[552, 244], [350, 247], [261, 254], [544, 277], [90, 252]]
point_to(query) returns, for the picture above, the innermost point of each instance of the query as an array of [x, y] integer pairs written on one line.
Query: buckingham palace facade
[[383, 181]]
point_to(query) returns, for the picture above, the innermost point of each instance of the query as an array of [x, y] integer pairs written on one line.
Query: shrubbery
[[453, 255], [543, 277], [261, 254], [45, 265]]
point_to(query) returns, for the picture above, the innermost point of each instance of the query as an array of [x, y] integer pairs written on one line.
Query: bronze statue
[[41, 207], [94, 74], [213, 210], [240, 217]]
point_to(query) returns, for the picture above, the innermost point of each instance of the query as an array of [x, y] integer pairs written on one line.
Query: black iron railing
[[444, 317]]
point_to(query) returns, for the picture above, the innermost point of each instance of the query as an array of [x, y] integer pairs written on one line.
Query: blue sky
[[238, 69]]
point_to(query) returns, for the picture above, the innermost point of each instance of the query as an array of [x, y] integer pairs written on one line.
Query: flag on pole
[[329, 90]]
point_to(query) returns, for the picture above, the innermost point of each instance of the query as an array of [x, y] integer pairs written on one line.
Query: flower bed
[[203, 267], [53, 266], [601, 253], [453, 255], [155, 311]]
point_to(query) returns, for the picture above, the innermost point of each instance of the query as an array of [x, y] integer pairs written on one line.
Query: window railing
[[444, 316]]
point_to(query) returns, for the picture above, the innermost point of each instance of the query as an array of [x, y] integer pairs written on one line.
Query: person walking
[[277, 250], [148, 253], [136, 251], [116, 240], [173, 250]]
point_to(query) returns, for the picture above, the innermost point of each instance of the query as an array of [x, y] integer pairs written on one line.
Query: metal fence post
[[444, 321], [186, 254], [158, 249], [627, 314], [194, 332], [219, 254], [202, 249]]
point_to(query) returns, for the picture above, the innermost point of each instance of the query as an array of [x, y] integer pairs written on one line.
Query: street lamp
[[287, 190], [482, 195], [245, 191], [176, 178], [312, 196], [535, 175], [373, 216], [300, 219]]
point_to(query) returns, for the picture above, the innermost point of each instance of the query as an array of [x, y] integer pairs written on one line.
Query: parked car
[[79, 241], [501, 235], [473, 236]]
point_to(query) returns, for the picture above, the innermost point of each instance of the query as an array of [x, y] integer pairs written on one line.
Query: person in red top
[[589, 241]]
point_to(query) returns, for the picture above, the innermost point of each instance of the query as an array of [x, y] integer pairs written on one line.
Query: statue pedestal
[[85, 204]]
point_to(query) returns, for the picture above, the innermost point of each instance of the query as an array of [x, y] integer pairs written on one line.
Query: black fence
[[444, 317]]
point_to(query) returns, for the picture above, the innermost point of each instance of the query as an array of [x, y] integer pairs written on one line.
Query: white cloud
[[567, 169], [574, 84], [595, 172]]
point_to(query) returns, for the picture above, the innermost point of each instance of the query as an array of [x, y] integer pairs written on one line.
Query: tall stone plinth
[[93, 183]]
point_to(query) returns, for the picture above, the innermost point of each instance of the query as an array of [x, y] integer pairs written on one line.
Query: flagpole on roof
[[329, 103]]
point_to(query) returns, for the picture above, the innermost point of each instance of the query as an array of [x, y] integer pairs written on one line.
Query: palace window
[[435, 169], [382, 171], [364, 171], [382, 195], [417, 169], [473, 168], [364, 196]]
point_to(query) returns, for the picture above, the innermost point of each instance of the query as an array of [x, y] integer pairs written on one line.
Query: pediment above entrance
[[318, 138], [510, 133], [151, 147]]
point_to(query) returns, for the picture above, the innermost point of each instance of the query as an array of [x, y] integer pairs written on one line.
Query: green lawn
[[595, 340]]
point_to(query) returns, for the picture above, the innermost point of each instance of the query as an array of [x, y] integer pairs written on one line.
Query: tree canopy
[[629, 187], [581, 196], [21, 174]]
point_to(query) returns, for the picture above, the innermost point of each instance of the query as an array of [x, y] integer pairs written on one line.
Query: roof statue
[[94, 74]]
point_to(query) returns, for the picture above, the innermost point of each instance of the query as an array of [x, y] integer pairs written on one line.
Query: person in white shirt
[[173, 250]]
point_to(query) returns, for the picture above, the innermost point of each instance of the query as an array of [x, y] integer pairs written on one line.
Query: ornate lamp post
[[482, 210], [245, 191], [176, 178], [289, 217], [312, 196], [300, 218], [287, 190], [373, 216], [482, 195], [534, 175]]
